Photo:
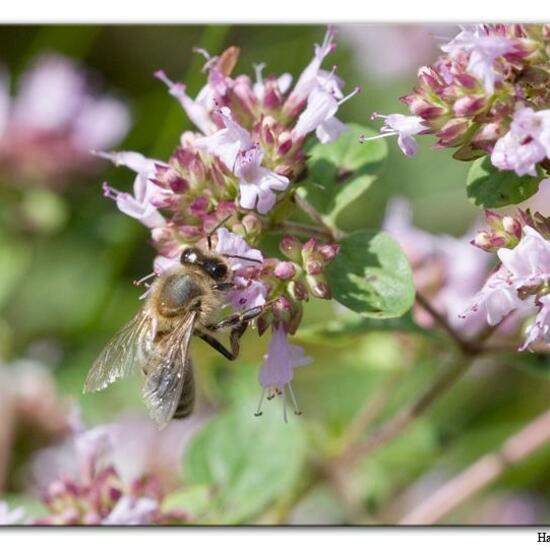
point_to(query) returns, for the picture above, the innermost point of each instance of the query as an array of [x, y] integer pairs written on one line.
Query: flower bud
[[511, 226], [483, 240], [469, 105], [252, 225], [319, 287], [314, 267], [329, 251], [285, 270], [284, 143], [298, 291], [291, 247]]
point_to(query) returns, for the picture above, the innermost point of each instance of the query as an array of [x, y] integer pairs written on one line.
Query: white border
[[273, 11], [364, 538]]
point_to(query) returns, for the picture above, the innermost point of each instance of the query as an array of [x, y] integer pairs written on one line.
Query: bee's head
[[213, 266]]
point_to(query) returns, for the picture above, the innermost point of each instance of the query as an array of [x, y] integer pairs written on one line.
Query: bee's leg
[[236, 319], [234, 338]]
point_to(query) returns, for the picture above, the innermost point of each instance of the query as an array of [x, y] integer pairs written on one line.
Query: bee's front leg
[[239, 323], [234, 337]]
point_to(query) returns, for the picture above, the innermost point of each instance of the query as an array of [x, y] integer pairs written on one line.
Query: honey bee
[[183, 301]]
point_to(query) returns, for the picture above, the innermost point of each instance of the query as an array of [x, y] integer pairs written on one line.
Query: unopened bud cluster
[[487, 94]]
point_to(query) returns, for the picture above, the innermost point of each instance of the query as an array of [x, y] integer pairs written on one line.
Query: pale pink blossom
[[250, 293], [308, 80], [484, 49], [497, 299], [53, 96], [402, 126], [526, 265], [10, 517], [140, 205], [529, 262], [238, 252], [283, 82], [228, 142], [199, 109], [319, 116], [257, 184], [526, 144], [539, 330], [277, 370], [132, 511]]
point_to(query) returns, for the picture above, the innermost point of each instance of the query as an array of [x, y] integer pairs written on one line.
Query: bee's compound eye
[[189, 256], [217, 270]]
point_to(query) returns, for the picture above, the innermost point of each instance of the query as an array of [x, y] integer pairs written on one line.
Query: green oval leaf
[[341, 171], [488, 187], [249, 461], [372, 276]]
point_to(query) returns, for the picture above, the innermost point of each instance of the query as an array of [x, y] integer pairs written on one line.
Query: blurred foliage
[[67, 262]]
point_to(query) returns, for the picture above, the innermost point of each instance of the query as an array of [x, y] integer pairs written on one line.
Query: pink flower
[[256, 183], [198, 110], [539, 330], [529, 262], [10, 517], [234, 146], [526, 265], [322, 105], [309, 78], [496, 299], [53, 97], [239, 253], [484, 49], [132, 511], [404, 127], [259, 88], [252, 293], [277, 370], [139, 205], [228, 142], [526, 144]]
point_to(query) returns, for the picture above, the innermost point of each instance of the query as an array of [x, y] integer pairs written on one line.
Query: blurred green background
[[66, 286]]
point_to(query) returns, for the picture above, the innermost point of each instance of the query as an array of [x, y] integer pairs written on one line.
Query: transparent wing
[[169, 371], [123, 353]]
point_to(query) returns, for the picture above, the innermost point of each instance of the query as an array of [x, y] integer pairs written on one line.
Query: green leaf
[[341, 171], [534, 363], [250, 461], [194, 499], [338, 332], [371, 276], [491, 188]]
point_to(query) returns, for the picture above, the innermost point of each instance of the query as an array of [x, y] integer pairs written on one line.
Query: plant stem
[[403, 418], [303, 229], [482, 472], [406, 416], [468, 348], [335, 233]]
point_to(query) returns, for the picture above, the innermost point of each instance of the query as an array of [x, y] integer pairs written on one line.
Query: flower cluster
[[49, 127], [234, 181], [522, 281], [90, 490], [487, 94]]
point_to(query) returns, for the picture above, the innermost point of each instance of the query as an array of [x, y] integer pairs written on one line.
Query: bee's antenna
[[211, 232], [143, 279], [242, 258]]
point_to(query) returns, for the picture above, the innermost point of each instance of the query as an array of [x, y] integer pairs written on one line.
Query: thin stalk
[[482, 472]]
